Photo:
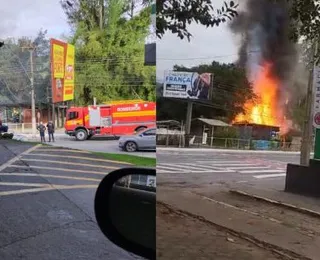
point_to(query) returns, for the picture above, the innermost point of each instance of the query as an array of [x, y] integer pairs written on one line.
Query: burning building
[[269, 58]]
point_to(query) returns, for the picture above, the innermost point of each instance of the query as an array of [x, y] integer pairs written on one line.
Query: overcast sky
[[206, 45], [27, 17]]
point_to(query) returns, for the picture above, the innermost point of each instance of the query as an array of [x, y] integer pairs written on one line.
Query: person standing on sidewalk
[[50, 127], [42, 129]]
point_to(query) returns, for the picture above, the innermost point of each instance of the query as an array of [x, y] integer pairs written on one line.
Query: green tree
[[110, 53], [15, 69], [305, 19], [175, 15], [231, 90]]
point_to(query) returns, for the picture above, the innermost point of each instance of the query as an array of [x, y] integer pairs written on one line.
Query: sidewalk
[[307, 204], [59, 135], [268, 233]]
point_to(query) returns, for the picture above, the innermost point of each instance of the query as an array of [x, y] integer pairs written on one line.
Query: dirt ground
[[183, 237]]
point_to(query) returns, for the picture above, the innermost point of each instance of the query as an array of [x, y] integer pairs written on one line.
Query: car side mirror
[[141, 135], [125, 209]]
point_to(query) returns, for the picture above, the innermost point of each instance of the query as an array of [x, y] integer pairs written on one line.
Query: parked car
[[3, 128], [143, 140]]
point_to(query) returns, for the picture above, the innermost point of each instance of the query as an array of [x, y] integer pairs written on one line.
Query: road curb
[[282, 252], [201, 150], [278, 203], [31, 138]]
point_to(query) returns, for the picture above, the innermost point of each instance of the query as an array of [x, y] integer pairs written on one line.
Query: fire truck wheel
[[81, 135], [131, 147]]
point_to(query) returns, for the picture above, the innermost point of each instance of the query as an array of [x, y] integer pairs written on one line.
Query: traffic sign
[[316, 97], [153, 14]]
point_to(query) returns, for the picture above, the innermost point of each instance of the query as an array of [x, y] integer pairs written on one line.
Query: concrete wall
[[304, 180]]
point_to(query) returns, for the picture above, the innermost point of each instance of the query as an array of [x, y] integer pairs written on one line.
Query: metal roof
[[213, 122]]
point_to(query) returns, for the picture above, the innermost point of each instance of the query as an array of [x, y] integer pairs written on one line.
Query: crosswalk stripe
[[24, 184], [61, 150], [49, 176], [165, 168], [183, 166], [55, 187], [249, 168], [192, 171], [219, 166], [55, 169], [219, 161], [200, 166], [264, 176], [232, 165], [77, 157], [164, 171], [71, 163], [263, 171]]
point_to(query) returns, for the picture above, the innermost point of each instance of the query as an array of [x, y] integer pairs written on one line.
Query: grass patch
[[135, 160]]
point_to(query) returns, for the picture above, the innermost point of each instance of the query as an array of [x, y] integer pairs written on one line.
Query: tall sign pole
[[307, 126], [153, 14], [316, 106], [313, 111]]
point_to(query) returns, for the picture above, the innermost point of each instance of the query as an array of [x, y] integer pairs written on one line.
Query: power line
[[206, 57]]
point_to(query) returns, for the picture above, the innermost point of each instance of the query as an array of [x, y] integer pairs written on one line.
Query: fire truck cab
[[112, 119]]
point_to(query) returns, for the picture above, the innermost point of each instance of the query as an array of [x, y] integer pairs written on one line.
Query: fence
[[226, 143], [23, 128], [20, 128]]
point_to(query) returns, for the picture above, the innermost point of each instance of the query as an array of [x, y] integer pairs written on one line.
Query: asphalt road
[[96, 144], [196, 168], [46, 204]]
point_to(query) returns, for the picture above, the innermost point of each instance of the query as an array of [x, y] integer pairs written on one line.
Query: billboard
[[62, 71], [188, 85]]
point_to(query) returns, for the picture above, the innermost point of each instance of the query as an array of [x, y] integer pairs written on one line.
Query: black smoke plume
[[264, 26]]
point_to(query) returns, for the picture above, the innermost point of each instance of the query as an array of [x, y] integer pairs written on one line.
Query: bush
[[228, 132], [6, 136]]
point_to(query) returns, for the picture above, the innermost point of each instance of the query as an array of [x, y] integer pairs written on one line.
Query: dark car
[[3, 128]]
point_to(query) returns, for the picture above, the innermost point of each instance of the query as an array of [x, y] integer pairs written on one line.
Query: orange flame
[[266, 110]]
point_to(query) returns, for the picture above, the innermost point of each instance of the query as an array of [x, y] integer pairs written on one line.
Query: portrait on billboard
[[188, 85]]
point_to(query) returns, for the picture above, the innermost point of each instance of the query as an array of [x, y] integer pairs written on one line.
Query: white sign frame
[[179, 84], [152, 181], [316, 97]]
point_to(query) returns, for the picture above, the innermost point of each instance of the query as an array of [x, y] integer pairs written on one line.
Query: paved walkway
[[269, 232], [309, 203]]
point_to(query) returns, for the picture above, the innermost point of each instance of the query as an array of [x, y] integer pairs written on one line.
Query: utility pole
[[31, 49], [33, 105], [101, 15], [306, 143], [188, 123]]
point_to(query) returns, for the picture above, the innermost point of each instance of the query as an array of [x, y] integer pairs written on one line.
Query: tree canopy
[[231, 90], [175, 15], [305, 19], [15, 69], [110, 50]]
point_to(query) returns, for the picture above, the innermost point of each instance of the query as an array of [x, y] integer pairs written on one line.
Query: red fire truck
[[112, 119]]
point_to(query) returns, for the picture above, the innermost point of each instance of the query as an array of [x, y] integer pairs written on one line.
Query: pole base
[[303, 180]]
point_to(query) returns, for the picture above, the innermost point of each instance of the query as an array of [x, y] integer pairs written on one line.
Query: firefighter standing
[[50, 127], [42, 129]]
